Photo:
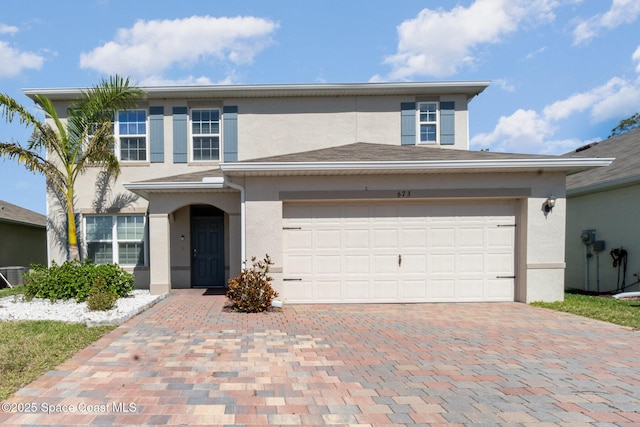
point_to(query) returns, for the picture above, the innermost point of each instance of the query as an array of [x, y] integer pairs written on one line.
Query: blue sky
[[563, 72]]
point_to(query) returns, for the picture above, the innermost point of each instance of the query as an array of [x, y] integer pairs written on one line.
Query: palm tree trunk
[[72, 239]]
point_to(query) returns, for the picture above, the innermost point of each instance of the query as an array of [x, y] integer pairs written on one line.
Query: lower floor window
[[115, 239]]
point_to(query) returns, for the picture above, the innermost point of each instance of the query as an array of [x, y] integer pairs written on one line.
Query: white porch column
[[159, 254]]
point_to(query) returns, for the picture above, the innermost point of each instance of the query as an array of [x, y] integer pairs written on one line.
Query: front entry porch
[[194, 240]]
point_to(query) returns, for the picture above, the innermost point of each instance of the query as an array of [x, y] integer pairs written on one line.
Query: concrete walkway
[[186, 362]]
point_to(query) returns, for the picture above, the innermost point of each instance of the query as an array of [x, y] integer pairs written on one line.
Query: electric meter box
[[598, 245], [588, 236]]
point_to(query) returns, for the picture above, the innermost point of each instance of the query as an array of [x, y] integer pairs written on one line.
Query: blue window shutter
[[179, 134], [408, 123], [230, 129], [156, 134], [447, 123]]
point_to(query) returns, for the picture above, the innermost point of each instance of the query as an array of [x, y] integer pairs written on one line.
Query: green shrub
[[100, 297], [74, 280], [250, 291]]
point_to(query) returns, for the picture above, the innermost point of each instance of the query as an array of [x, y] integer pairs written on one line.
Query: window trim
[[191, 135], [436, 123], [115, 240], [117, 136]]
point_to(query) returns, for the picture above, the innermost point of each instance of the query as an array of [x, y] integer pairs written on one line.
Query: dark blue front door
[[207, 252]]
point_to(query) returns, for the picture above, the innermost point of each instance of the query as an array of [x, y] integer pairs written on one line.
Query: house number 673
[[404, 193]]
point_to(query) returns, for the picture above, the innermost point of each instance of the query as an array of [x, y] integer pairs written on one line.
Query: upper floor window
[[428, 122], [115, 239], [205, 135], [131, 135]]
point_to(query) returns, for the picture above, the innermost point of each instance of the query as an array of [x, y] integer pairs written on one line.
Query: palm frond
[[9, 108], [33, 162]]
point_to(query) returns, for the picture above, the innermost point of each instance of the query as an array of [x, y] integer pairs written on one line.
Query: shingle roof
[[189, 177], [624, 169], [360, 152], [13, 213], [367, 152]]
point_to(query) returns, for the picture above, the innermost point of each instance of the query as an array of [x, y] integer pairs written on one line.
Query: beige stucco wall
[[613, 214], [540, 241], [281, 126]]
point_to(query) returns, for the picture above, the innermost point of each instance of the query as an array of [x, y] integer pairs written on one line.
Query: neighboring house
[[607, 201], [357, 192], [23, 238]]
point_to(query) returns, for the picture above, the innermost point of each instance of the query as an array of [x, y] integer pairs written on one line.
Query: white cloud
[[188, 81], [440, 42], [529, 131], [150, 47], [621, 12], [8, 29], [505, 85], [14, 60], [535, 53], [636, 58]]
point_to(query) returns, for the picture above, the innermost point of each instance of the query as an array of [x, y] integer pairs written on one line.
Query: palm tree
[[86, 140]]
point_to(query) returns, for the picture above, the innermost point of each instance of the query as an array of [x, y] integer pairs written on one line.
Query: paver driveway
[[185, 361]]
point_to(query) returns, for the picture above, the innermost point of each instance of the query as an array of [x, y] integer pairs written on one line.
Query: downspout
[[243, 242]]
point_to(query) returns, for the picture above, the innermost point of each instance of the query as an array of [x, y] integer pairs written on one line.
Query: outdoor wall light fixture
[[549, 204], [182, 237]]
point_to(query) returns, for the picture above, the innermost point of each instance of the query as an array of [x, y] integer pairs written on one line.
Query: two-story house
[[358, 192]]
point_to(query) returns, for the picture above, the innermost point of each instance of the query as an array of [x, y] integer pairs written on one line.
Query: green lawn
[[28, 349], [620, 312]]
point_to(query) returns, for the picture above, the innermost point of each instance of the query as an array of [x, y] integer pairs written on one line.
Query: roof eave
[[422, 166], [470, 88], [143, 189], [604, 186]]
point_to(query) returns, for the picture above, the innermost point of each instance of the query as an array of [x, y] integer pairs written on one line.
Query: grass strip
[[621, 312], [29, 349]]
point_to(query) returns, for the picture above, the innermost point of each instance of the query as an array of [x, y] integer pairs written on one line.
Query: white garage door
[[400, 251]]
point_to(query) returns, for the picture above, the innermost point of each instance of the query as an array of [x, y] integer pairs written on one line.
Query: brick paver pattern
[[186, 361]]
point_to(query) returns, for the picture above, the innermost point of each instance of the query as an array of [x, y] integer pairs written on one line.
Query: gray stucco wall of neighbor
[[22, 245], [613, 214]]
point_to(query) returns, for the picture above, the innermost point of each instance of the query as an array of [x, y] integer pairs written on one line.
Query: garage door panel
[[326, 265], [356, 290], [385, 290], [470, 263], [469, 289], [399, 251], [355, 264], [442, 263], [413, 238], [501, 237], [356, 239], [442, 237], [325, 239], [413, 264], [472, 237], [385, 238], [413, 290], [384, 264], [500, 289], [442, 289], [297, 265], [328, 291], [298, 239], [499, 264]]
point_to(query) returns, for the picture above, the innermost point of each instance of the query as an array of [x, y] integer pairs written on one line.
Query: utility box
[[588, 236], [598, 246]]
